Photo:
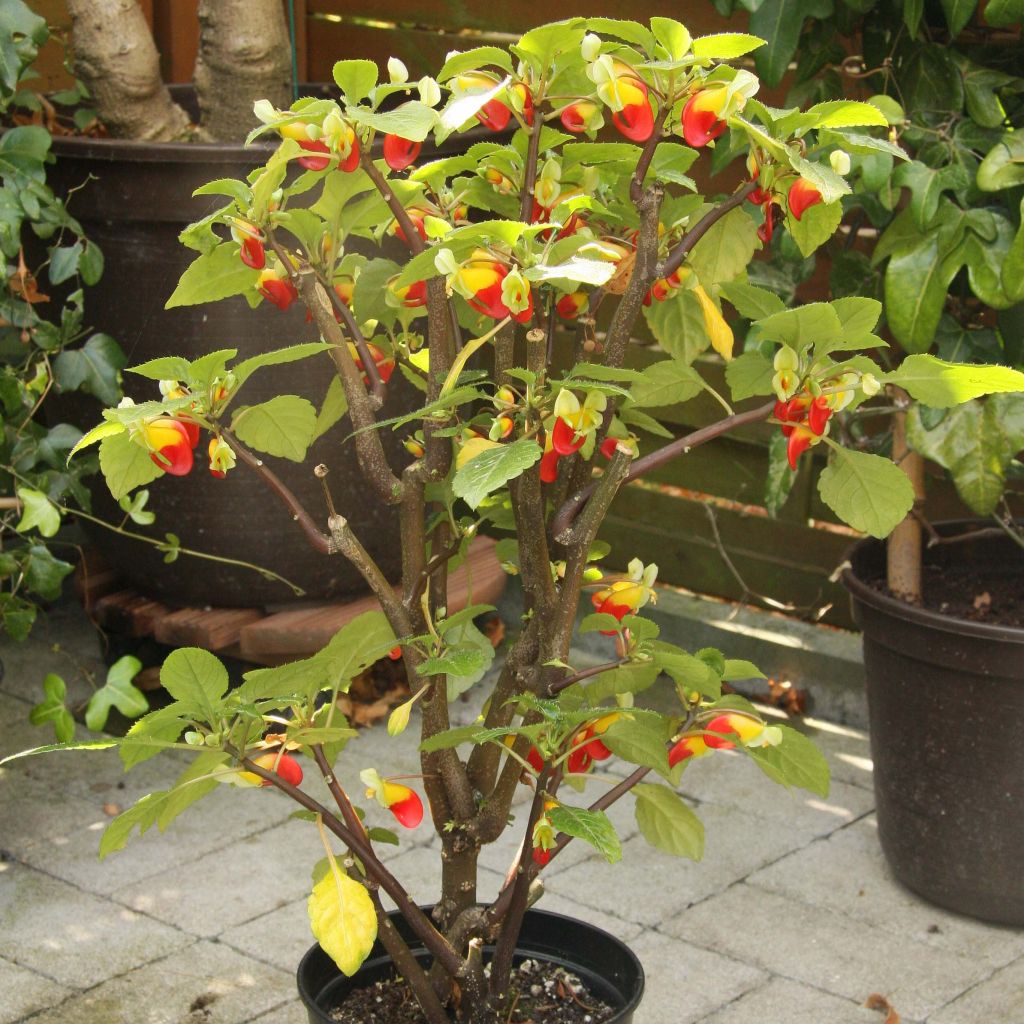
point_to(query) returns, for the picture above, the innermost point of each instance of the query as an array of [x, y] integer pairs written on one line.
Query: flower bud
[[430, 91], [786, 359], [870, 385], [397, 71], [265, 111], [590, 47], [840, 161]]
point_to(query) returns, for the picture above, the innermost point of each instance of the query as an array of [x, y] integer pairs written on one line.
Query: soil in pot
[[540, 993]]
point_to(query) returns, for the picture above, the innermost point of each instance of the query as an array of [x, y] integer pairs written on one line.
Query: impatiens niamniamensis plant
[[528, 427]]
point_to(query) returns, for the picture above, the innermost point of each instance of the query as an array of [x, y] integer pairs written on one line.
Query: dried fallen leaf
[[23, 284], [983, 601], [494, 630], [875, 1001], [111, 810]]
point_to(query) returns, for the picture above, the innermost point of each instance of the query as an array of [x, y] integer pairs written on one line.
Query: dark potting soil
[[541, 993], [969, 592]]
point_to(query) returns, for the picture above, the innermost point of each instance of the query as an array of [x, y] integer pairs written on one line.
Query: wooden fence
[[702, 518]]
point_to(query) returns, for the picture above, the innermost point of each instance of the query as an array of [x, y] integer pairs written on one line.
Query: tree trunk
[[903, 551], [117, 60], [244, 55]]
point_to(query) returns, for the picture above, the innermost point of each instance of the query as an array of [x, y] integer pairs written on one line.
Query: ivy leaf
[[667, 823], [117, 692], [44, 573], [93, 368], [37, 511], [592, 827], [869, 492], [283, 426], [492, 469], [52, 709]]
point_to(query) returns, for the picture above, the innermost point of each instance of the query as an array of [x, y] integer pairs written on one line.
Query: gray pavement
[[792, 917]]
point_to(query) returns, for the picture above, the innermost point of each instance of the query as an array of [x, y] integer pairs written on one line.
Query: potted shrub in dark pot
[[558, 224], [933, 229]]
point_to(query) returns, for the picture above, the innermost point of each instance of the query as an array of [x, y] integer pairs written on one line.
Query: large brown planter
[[136, 200], [946, 703]]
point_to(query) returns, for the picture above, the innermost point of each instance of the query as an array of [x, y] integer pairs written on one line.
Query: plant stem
[[567, 513], [903, 548]]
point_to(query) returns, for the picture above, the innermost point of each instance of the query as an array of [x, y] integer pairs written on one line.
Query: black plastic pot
[[607, 966], [946, 706], [136, 198]]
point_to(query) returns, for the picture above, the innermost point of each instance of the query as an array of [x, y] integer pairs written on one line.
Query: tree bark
[[903, 551], [244, 56], [117, 60]]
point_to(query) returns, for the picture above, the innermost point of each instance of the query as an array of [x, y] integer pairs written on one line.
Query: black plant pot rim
[[893, 606], [309, 998]]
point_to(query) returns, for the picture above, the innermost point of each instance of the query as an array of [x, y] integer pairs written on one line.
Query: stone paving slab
[[70, 936], [23, 992], [651, 886], [999, 998], [685, 983], [828, 950], [847, 873], [289, 1013], [279, 938], [206, 983], [789, 1002], [225, 888]]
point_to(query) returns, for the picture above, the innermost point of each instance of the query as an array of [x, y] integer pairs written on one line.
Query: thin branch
[[530, 173], [636, 185], [378, 389], [316, 537], [345, 541], [567, 513], [578, 677], [398, 211], [582, 529], [701, 228]]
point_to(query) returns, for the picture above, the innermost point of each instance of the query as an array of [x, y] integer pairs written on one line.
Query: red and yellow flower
[[276, 287], [404, 803], [283, 765], [575, 422], [493, 288], [384, 362], [400, 153], [222, 458], [801, 196], [170, 444]]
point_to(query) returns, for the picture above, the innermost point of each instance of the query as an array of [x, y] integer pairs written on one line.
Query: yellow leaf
[[718, 330], [343, 920]]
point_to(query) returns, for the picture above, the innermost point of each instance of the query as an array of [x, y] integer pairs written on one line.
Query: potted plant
[[938, 239], [512, 249]]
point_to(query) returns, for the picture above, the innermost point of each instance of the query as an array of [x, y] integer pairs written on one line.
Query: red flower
[[688, 746], [399, 153], [404, 803], [252, 252], [314, 163], [284, 766], [494, 115], [569, 307], [278, 290], [577, 116], [171, 445], [701, 117], [800, 438], [802, 195], [564, 439], [549, 466], [818, 415]]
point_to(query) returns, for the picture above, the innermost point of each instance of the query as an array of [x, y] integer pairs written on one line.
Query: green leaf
[[940, 384], [726, 250], [869, 492], [738, 668], [667, 823], [916, 284], [456, 661], [1003, 166], [831, 185], [93, 368], [192, 785], [492, 470], [37, 512], [625, 679], [283, 426], [125, 464], [817, 225], [725, 45], [801, 327], [43, 573], [355, 78], [465, 635], [142, 815], [50, 748], [53, 710], [847, 114], [779, 480], [291, 354], [687, 670], [334, 407], [678, 326], [749, 374], [451, 738], [796, 761], [214, 275], [117, 692], [976, 442], [197, 680], [673, 36], [1004, 13], [958, 14], [459, 62], [413, 120], [640, 741], [64, 262], [780, 22], [666, 383], [592, 827], [750, 301], [1013, 264]]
